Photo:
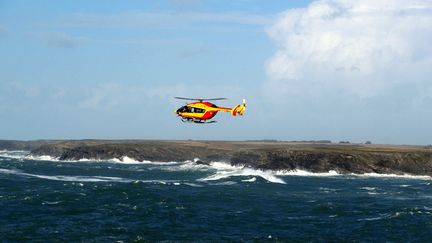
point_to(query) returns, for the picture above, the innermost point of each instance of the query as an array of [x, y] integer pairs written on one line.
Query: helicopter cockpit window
[[197, 110], [184, 109], [188, 109]]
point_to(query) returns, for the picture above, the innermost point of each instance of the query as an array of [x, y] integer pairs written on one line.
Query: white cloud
[[362, 48]]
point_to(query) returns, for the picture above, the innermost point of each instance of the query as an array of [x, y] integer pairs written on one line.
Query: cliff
[[314, 157]]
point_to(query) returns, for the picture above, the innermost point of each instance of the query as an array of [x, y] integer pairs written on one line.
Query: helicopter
[[203, 111]]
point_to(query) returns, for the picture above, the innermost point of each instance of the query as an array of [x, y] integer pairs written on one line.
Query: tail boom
[[237, 110]]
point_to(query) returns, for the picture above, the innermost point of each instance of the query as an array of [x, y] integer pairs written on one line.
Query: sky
[[338, 70]]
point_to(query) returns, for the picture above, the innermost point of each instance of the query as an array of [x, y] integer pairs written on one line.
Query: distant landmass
[[313, 156]]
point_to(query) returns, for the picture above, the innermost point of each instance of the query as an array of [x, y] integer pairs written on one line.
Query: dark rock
[[200, 162], [343, 158]]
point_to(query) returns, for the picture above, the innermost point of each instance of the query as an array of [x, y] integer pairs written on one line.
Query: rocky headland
[[266, 155]]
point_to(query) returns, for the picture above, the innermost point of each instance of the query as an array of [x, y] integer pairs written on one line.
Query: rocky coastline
[[265, 155]]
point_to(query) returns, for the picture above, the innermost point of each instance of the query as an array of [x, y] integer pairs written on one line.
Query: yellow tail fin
[[239, 109]]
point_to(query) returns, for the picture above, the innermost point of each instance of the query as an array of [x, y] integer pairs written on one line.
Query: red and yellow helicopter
[[202, 111]]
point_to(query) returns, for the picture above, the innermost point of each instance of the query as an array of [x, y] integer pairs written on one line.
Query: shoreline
[[213, 164], [264, 155]]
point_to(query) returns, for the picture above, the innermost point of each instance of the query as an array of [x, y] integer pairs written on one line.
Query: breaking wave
[[69, 178], [21, 155], [333, 173], [224, 170], [215, 171], [65, 178]]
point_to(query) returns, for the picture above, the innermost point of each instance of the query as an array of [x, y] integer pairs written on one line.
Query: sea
[[43, 199]]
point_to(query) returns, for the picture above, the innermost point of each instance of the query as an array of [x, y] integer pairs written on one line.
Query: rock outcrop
[[314, 157]]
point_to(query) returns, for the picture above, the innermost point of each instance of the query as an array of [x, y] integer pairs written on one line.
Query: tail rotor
[[239, 109]]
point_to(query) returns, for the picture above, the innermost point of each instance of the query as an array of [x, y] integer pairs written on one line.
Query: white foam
[[332, 173], [192, 184], [225, 170], [67, 178], [298, 172], [224, 183], [403, 176], [13, 151], [373, 193], [21, 155], [51, 203], [405, 185], [182, 166], [253, 179], [368, 188], [382, 216], [124, 160], [81, 179], [225, 166], [328, 190], [42, 158], [8, 171], [13, 154], [127, 160]]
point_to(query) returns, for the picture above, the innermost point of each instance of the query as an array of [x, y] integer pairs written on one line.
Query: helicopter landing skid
[[197, 121], [203, 122]]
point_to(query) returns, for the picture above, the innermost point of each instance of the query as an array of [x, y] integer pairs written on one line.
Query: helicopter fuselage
[[200, 111]]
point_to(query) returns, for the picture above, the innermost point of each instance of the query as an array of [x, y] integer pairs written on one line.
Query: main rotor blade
[[216, 99], [183, 98]]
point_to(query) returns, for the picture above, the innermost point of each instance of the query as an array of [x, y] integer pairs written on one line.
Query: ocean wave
[[42, 158], [25, 155], [122, 160], [13, 151], [407, 211], [21, 155], [225, 170], [253, 179], [298, 172], [222, 169], [333, 173], [80, 179], [13, 154], [66, 177], [367, 188], [403, 176]]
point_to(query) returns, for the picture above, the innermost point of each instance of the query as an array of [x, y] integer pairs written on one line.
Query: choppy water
[[123, 200]]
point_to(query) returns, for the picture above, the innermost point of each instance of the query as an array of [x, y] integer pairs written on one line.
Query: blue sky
[[333, 69]]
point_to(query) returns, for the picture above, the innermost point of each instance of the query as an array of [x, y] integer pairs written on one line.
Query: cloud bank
[[361, 48]]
